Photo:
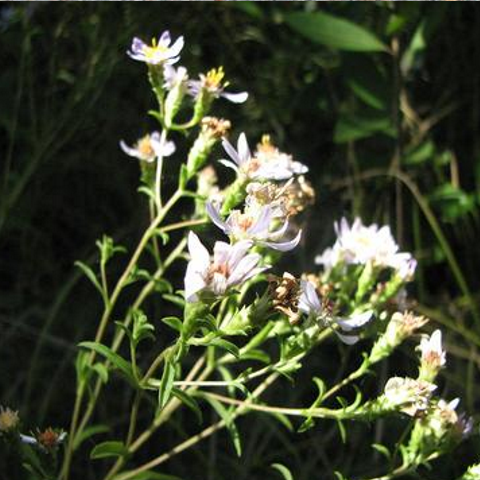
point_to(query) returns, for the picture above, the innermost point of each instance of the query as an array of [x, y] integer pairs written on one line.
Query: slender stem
[[184, 224], [200, 436], [158, 173]]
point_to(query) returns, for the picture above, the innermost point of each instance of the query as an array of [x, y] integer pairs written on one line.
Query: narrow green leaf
[[109, 449], [148, 475], [188, 401], [88, 432], [166, 384], [284, 471], [173, 322], [89, 273], [226, 345], [335, 32], [117, 361]]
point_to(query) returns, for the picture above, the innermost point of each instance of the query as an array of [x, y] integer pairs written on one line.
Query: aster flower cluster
[[232, 307]]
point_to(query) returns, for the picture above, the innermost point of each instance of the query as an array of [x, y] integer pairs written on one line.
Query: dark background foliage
[[69, 93]]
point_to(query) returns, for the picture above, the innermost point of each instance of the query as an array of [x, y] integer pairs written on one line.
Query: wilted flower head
[[359, 244], [9, 419], [214, 85], [215, 127], [149, 147], [310, 303], [287, 200], [408, 395], [47, 440], [284, 292], [255, 225], [231, 265], [268, 163], [159, 52]]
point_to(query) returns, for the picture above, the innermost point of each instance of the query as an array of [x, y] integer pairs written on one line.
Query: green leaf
[[354, 127], [249, 8], [89, 432], [226, 416], [142, 328], [175, 299], [188, 401], [116, 360], [89, 273], [226, 345], [173, 322], [335, 32], [102, 371], [109, 449], [166, 384], [383, 450], [284, 471]]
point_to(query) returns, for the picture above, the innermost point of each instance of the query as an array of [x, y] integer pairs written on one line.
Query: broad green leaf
[[166, 384], [283, 470], [109, 449], [89, 432], [117, 361], [335, 32]]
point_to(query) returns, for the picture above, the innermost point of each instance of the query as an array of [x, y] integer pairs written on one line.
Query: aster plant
[[238, 325]]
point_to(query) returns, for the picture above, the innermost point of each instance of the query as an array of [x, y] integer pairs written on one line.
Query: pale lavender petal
[[262, 223], [176, 48], [285, 246], [356, 321], [232, 153], [309, 301], [240, 97], [221, 253], [136, 49], [132, 152], [194, 281], [165, 39], [280, 232], [229, 164], [244, 154], [219, 284], [237, 252], [348, 339], [243, 270], [214, 215]]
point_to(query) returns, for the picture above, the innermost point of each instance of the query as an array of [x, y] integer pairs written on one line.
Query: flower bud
[[212, 130], [432, 356], [400, 327], [175, 95]]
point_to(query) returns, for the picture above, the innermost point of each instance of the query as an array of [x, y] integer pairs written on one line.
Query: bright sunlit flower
[[213, 83], [231, 265], [159, 52], [149, 147], [310, 303], [255, 225], [359, 244], [268, 163]]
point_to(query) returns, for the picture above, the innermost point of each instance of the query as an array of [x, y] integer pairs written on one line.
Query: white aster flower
[[268, 163], [408, 395], [213, 84], [159, 52], [310, 303], [254, 225], [360, 244], [231, 265], [444, 419], [149, 147]]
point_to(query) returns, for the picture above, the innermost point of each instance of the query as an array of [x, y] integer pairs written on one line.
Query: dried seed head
[[285, 291], [215, 127]]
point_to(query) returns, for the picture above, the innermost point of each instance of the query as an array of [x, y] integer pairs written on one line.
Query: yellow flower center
[[213, 79], [144, 146], [151, 52]]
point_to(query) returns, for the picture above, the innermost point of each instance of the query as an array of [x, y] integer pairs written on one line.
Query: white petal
[[285, 246], [197, 251], [176, 48], [244, 269], [232, 153], [356, 321], [240, 97], [348, 339], [244, 154], [262, 224], [309, 301], [165, 39], [229, 164], [132, 152], [194, 281]]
